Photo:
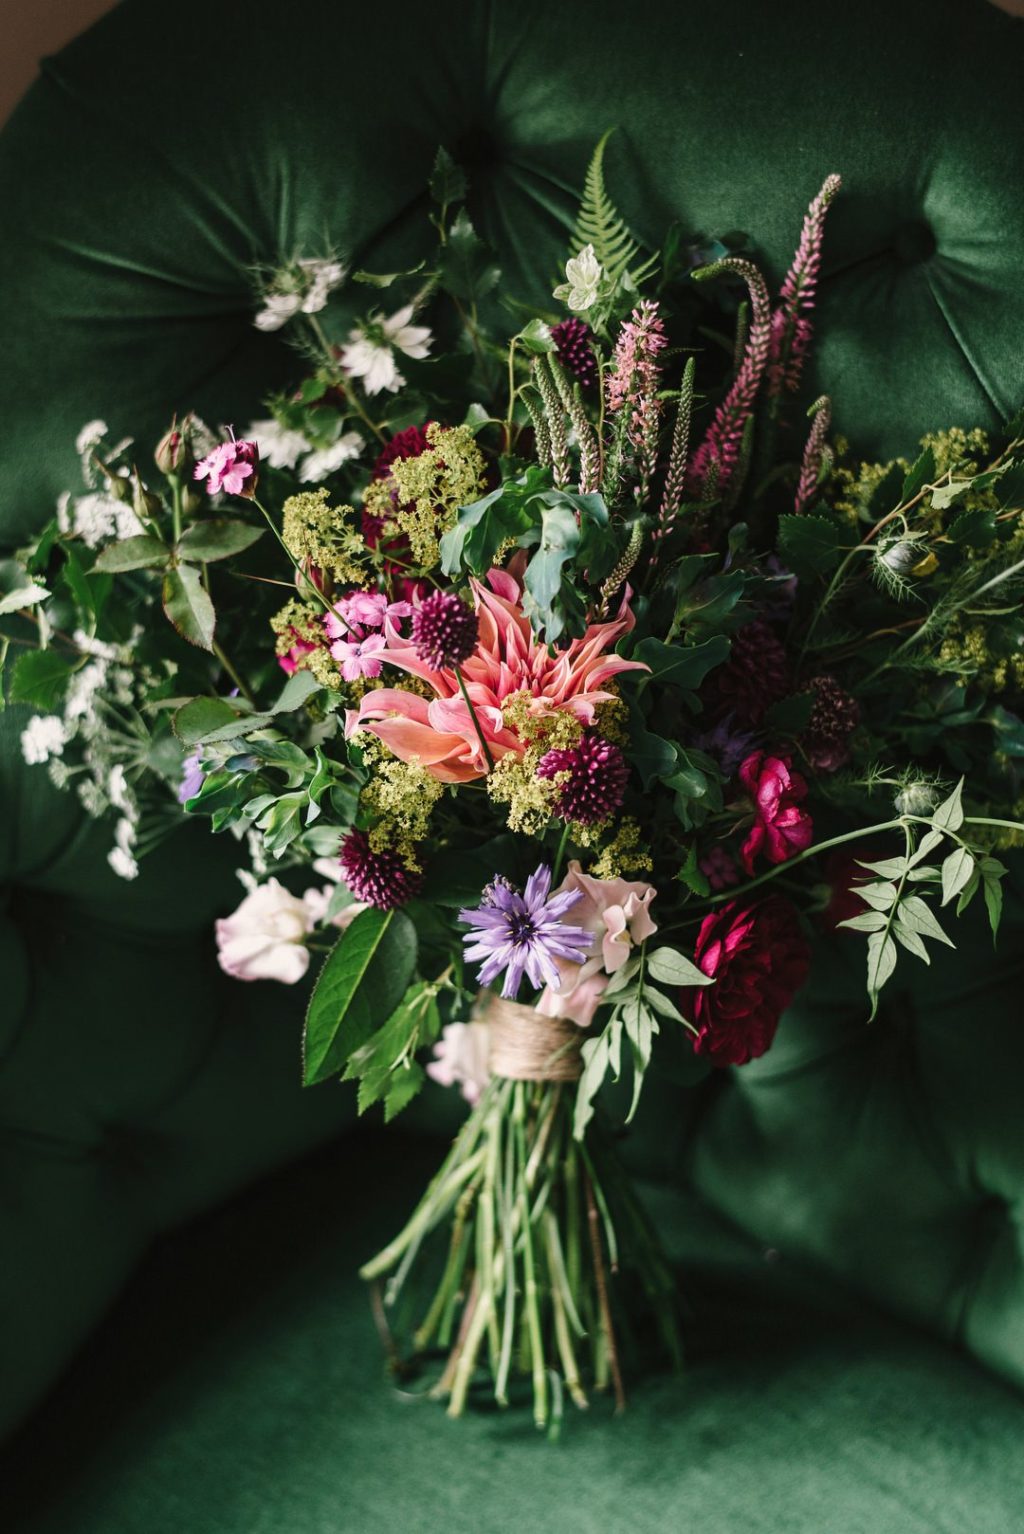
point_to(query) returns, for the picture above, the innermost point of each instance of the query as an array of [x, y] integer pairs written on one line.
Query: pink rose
[[781, 828], [758, 958]]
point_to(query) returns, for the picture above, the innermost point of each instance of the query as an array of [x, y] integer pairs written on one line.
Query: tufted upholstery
[[149, 167]]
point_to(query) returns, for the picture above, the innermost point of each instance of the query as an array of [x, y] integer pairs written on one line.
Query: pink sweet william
[[232, 467], [781, 827]]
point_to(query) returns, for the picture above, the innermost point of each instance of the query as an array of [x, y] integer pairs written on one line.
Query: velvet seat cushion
[[258, 1404]]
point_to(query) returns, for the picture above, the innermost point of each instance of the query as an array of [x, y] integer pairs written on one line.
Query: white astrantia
[[279, 446], [44, 736], [120, 857], [370, 353], [325, 460], [583, 274], [119, 793]]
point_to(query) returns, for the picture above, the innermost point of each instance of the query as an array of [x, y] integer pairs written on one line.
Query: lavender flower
[[524, 933]]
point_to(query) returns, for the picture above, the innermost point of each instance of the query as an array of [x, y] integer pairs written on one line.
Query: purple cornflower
[[192, 777], [592, 779], [524, 933]]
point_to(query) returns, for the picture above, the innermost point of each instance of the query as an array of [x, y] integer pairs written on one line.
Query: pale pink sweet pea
[[508, 659], [617, 913], [461, 1057], [578, 1004], [359, 657], [265, 939]]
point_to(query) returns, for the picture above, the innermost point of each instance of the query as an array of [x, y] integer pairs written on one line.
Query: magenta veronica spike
[[724, 439], [814, 453], [791, 326]]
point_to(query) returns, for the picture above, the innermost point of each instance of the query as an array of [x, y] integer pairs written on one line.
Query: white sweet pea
[[319, 464], [583, 279], [370, 353], [279, 447], [265, 939]]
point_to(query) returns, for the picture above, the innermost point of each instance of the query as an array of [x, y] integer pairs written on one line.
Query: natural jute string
[[528, 1047]]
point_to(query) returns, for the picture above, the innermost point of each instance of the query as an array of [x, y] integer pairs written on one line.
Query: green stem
[[233, 672], [485, 748], [801, 857], [291, 557], [560, 855]]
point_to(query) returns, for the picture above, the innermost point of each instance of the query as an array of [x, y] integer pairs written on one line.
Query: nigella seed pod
[[899, 557], [916, 799]]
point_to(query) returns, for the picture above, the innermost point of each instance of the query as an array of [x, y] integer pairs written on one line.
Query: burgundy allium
[[574, 339], [596, 782], [758, 958], [380, 878], [755, 676], [444, 631], [791, 327], [232, 467], [834, 717], [524, 933], [781, 827], [724, 437]]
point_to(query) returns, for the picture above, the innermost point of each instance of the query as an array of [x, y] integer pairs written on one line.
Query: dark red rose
[[781, 828], [409, 443], [759, 959]]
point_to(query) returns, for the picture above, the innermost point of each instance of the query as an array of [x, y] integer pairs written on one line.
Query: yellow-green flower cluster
[[623, 857], [422, 495], [401, 796], [299, 623], [514, 781], [965, 649], [319, 534]]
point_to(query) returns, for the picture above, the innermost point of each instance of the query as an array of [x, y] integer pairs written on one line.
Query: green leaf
[[641, 1026], [922, 473], [363, 979], [682, 665], [791, 715], [466, 268], [809, 544], [536, 337], [405, 1084], [447, 183], [913, 913], [141, 553], [928, 843], [671, 967], [944, 495], [881, 963], [956, 871], [296, 691], [950, 813], [484, 525], [691, 875], [867, 921], [880, 896], [200, 717], [188, 606], [976, 527], [992, 874], [40, 677], [596, 1054], [911, 940], [599, 223], [888, 868], [219, 538]]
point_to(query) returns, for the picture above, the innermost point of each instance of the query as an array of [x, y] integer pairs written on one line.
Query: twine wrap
[[528, 1047]]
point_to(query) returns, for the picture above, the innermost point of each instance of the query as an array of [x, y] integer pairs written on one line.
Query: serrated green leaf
[[363, 979], [465, 265], [536, 337], [218, 538], [447, 183], [188, 606], [809, 544], [670, 967], [956, 871], [922, 473], [140, 553], [39, 678], [405, 1084], [199, 717]]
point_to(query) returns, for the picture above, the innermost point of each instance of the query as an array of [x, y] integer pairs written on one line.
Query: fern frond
[[600, 224]]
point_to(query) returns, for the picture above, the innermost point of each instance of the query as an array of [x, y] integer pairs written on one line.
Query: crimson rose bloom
[[758, 958], [780, 827]]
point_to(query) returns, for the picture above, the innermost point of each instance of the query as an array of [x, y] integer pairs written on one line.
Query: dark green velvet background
[[157, 158]]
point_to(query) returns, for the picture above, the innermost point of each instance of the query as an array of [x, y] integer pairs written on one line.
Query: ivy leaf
[[809, 544], [363, 978], [219, 538], [39, 678], [956, 872], [682, 665], [670, 967], [188, 606], [141, 553]]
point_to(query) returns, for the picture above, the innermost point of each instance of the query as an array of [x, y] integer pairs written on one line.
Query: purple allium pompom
[[380, 878], [573, 338], [834, 718], [444, 631], [596, 782]]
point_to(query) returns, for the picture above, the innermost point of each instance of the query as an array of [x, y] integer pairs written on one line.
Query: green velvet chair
[[848, 1212]]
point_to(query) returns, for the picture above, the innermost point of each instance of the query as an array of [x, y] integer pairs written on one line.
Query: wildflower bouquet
[[609, 677]]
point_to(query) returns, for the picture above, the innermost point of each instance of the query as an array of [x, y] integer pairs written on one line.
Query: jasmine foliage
[[637, 1006], [898, 912]]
